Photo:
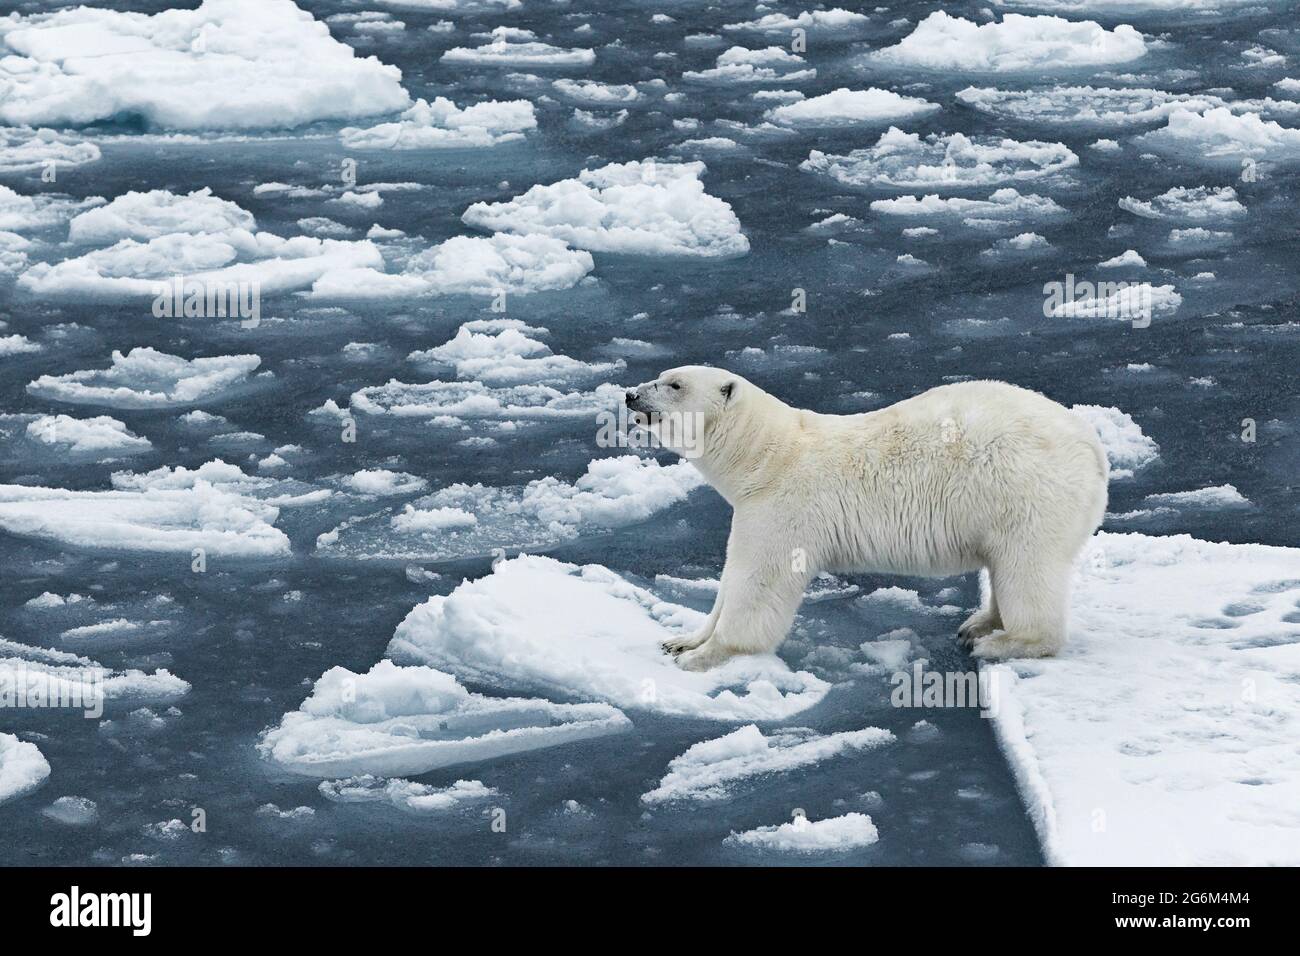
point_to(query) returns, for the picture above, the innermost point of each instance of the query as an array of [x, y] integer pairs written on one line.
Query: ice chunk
[[514, 48], [28, 150], [443, 125], [22, 767], [906, 161], [229, 64], [1188, 204], [1221, 137], [57, 678], [410, 720], [454, 402], [161, 520], [147, 378], [598, 94], [1119, 300], [98, 435], [845, 107], [707, 770], [404, 794], [463, 521], [739, 65], [1172, 709], [1217, 496], [1005, 204], [1075, 105], [539, 624], [510, 357], [1015, 44], [1127, 448], [645, 208], [144, 216], [72, 811], [833, 22], [833, 834]]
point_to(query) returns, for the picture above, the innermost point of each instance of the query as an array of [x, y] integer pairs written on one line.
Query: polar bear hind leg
[[984, 621]]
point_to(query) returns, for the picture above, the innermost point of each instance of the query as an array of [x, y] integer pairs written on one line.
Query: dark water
[[251, 655]]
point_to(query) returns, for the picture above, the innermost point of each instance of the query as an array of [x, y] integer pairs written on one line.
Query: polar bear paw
[[680, 645], [979, 625], [707, 655], [1002, 645]]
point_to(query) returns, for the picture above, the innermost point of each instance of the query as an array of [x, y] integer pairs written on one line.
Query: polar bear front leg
[[678, 645], [757, 605]]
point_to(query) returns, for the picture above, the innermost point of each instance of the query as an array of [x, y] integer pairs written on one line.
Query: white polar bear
[[960, 478]]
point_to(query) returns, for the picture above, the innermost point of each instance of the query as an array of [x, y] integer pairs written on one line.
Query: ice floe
[[1003, 205], [801, 835], [453, 403], [393, 721], [229, 64], [1188, 204], [1164, 733], [1127, 448], [739, 65], [1219, 136], [845, 107], [513, 47], [833, 22], [23, 767], [1074, 105], [100, 435], [443, 125], [707, 771], [463, 521], [536, 624], [147, 378], [509, 356], [1017, 43], [50, 678], [645, 208], [405, 794], [902, 160], [1136, 302], [155, 519], [467, 265], [27, 150], [196, 254]]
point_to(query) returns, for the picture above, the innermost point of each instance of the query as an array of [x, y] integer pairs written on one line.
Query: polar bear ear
[[727, 390]]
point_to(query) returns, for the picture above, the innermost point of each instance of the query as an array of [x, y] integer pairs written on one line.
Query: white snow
[[1015, 44], [147, 378], [509, 356], [1074, 105], [539, 624], [707, 770], [72, 811], [49, 676], [1127, 448], [1127, 258], [230, 64], [393, 720], [27, 150], [1164, 734], [1128, 302], [769, 65], [22, 767], [17, 345], [149, 215], [443, 125], [598, 94], [801, 835], [845, 107], [1217, 496], [382, 482], [645, 208], [454, 402], [826, 22], [514, 48], [906, 161]]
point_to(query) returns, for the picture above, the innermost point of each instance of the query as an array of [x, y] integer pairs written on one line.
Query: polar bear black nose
[[629, 397]]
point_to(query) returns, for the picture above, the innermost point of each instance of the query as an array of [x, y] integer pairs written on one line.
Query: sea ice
[[22, 766], [801, 835], [147, 378]]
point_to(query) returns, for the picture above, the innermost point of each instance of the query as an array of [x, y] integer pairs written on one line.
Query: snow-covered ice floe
[[1005, 205], [845, 107], [513, 47], [24, 150], [1221, 137], [739, 65], [902, 160], [1074, 105], [536, 624], [1127, 448], [147, 240], [1188, 204], [801, 835], [76, 439], [405, 794], [60, 678], [829, 23], [1171, 716], [393, 720], [645, 208], [1016, 44], [508, 355], [708, 770], [147, 378], [443, 125], [166, 520], [463, 521], [23, 767], [229, 64]]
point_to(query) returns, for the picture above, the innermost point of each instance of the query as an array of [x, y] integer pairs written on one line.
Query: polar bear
[[963, 477]]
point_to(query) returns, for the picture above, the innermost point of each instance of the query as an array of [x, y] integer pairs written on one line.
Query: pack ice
[[537, 624], [23, 767], [1165, 733]]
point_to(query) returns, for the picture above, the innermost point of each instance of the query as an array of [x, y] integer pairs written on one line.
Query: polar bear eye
[[674, 386]]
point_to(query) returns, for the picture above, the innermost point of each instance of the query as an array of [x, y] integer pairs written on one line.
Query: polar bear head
[[684, 406]]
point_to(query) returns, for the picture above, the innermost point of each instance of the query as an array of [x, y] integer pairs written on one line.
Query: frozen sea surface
[[900, 297]]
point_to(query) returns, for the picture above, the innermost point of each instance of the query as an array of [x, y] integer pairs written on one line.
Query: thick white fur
[[970, 476]]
